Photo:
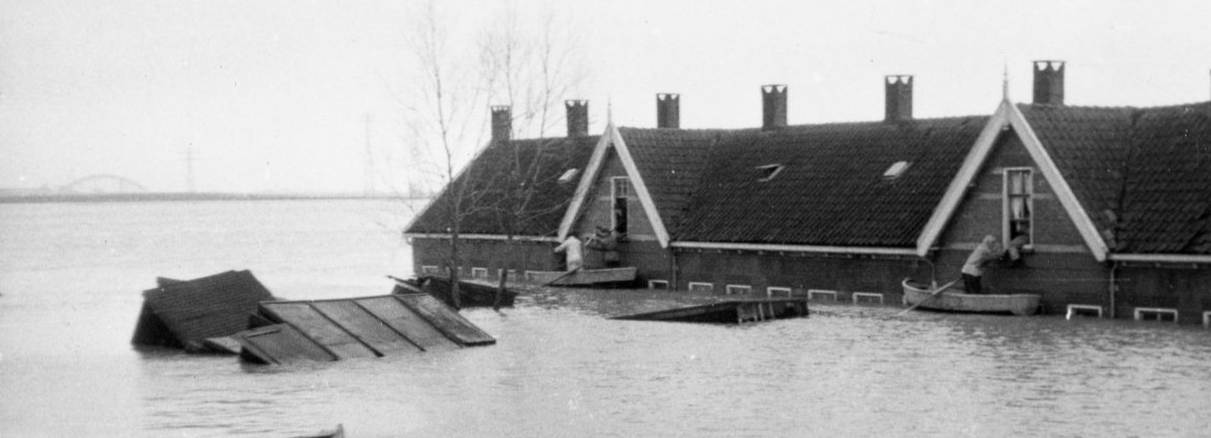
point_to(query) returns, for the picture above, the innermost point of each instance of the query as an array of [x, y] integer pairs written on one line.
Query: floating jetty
[[729, 312]]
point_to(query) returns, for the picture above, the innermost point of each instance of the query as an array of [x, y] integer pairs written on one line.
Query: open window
[[1018, 207], [620, 188]]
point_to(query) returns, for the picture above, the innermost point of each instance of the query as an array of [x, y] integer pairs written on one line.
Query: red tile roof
[[1142, 174], [491, 196], [831, 188]]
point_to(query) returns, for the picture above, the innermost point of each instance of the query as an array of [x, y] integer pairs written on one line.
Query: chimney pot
[[502, 122], [578, 117], [773, 106], [668, 110], [898, 98], [1049, 82]]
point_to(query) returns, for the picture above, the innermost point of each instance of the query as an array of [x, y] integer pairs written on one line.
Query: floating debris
[[729, 312], [470, 294], [196, 314], [329, 330]]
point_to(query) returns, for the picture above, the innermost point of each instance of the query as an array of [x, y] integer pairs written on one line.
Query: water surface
[[71, 276]]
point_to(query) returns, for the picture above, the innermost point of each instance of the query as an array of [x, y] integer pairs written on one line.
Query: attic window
[[768, 171], [567, 176], [896, 169]]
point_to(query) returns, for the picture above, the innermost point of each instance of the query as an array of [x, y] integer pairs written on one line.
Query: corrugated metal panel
[[319, 328], [404, 320], [365, 326], [280, 344], [446, 320]]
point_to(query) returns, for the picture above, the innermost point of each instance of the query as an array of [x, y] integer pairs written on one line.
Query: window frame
[[614, 203], [1007, 199], [710, 287], [748, 289]]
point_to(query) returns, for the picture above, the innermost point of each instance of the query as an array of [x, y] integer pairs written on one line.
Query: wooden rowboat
[[470, 294], [916, 294], [583, 277], [729, 312]]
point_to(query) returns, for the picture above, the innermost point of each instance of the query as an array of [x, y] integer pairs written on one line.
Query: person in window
[[1013, 251], [606, 241], [574, 252], [973, 270]]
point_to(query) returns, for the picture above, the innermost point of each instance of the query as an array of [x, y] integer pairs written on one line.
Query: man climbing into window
[[973, 270]]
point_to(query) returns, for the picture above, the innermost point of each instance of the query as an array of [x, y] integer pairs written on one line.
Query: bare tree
[[530, 73], [527, 72]]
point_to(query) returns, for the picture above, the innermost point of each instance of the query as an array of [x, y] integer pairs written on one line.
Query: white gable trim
[[1009, 115], [1062, 191], [958, 186], [613, 138], [586, 183]]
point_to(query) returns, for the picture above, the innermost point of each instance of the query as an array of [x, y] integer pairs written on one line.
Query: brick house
[[1116, 202]]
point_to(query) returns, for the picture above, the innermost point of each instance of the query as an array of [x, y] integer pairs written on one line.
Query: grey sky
[[272, 95]]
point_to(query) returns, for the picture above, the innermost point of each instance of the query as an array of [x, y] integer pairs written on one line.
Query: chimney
[[578, 117], [502, 122], [668, 110], [773, 102], [898, 98], [1049, 82]]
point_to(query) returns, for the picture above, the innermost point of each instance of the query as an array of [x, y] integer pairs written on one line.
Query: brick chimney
[[773, 103], [898, 98], [1049, 82], [578, 117], [668, 110], [502, 122]]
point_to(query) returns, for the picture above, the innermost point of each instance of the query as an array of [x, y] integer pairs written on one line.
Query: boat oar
[[561, 277], [930, 297]]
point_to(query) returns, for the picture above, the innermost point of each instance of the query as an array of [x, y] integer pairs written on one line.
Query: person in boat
[[573, 250], [973, 270], [606, 241]]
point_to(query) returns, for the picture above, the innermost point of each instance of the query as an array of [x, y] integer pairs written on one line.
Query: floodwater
[[71, 277]]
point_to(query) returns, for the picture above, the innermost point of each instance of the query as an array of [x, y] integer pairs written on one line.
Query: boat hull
[[948, 301], [583, 277]]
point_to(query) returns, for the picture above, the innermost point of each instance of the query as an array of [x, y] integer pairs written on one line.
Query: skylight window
[[896, 169], [568, 175], [768, 171]]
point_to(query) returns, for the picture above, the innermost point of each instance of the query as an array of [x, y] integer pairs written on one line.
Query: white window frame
[[856, 295], [1207, 318], [626, 195], [429, 270], [811, 293], [710, 287], [773, 169], [652, 284], [769, 291], [1006, 204], [748, 290], [475, 273], [1139, 312], [1073, 310]]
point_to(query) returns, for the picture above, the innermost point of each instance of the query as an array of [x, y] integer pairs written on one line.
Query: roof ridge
[[1118, 107]]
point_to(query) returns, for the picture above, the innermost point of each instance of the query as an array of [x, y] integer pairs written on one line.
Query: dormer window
[[768, 172], [896, 169], [567, 176]]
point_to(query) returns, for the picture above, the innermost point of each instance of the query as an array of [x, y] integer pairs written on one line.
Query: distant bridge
[[103, 183]]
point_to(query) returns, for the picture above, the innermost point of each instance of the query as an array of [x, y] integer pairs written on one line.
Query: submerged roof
[[825, 184], [1143, 175], [497, 184], [213, 306]]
